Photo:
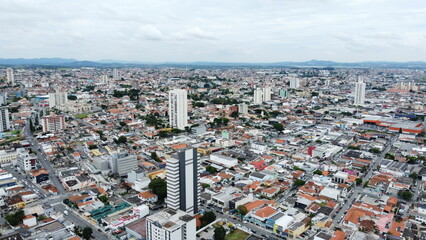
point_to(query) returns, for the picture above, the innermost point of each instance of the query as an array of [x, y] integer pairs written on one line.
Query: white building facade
[[178, 108]]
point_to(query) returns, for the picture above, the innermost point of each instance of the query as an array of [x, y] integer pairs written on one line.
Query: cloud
[[221, 30], [149, 32]]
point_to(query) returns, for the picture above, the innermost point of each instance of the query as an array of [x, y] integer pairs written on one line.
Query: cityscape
[[213, 124]]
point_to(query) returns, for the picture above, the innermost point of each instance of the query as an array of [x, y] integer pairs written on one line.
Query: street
[[358, 189]]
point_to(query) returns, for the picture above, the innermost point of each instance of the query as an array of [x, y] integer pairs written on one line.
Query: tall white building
[[58, 100], [242, 108], [178, 108], [10, 76], [4, 119], [294, 83], [359, 96], [183, 188], [266, 94], [115, 73], [257, 96], [104, 79], [171, 224]]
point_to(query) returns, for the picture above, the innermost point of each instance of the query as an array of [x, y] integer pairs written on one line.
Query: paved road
[[27, 181], [79, 221], [42, 159], [358, 189], [259, 230]]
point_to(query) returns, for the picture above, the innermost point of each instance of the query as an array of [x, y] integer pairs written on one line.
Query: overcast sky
[[216, 30]]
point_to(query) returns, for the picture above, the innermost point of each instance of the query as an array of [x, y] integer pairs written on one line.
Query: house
[[29, 220], [270, 192], [148, 196]]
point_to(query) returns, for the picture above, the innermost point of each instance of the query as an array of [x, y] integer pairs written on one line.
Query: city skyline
[[274, 31]]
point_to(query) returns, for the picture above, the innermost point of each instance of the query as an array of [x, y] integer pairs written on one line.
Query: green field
[[237, 235], [81, 116]]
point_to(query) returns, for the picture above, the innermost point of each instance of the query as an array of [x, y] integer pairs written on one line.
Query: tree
[[219, 233], [103, 199], [163, 134], [299, 183], [123, 124], [15, 218], [211, 169], [159, 187], [405, 194], [206, 185], [242, 210], [87, 232], [414, 175], [93, 146], [358, 181], [278, 126], [72, 97], [374, 150], [208, 218], [400, 130], [122, 139], [234, 114], [155, 157], [318, 172]]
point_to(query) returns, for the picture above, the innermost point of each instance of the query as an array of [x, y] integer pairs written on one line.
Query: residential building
[[53, 123], [115, 73], [10, 76], [178, 108], [359, 96], [183, 188], [266, 92], [4, 119], [170, 225], [294, 83], [58, 100], [257, 96], [242, 108]]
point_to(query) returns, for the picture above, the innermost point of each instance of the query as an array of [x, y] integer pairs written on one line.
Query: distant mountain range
[[62, 62]]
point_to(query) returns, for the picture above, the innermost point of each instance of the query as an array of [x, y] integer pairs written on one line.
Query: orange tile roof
[[265, 212], [146, 195], [179, 146]]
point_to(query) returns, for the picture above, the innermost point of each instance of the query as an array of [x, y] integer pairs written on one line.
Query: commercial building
[[170, 225], [7, 156], [178, 108], [122, 163], [4, 119], [53, 123], [359, 96], [10, 76], [183, 187], [25, 160], [283, 93]]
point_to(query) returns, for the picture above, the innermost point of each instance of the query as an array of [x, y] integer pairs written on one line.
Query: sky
[[216, 30]]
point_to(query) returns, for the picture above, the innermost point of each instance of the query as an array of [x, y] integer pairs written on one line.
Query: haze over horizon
[[219, 31]]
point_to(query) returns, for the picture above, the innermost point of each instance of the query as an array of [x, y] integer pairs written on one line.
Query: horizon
[[240, 31]]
